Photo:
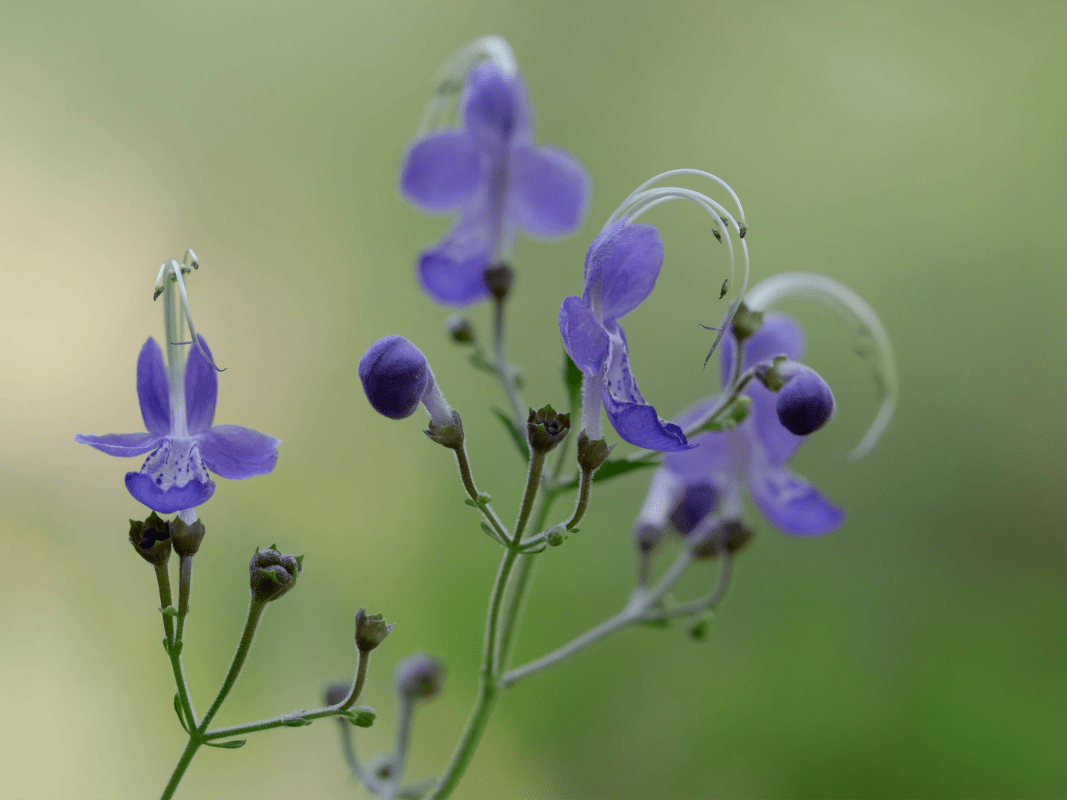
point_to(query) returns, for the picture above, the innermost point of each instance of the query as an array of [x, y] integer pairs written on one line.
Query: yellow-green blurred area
[[913, 151]]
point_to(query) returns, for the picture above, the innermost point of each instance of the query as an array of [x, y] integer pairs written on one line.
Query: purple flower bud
[[395, 376], [696, 503], [805, 403], [418, 677]]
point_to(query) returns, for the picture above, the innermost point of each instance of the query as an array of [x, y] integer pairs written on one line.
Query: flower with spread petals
[[495, 179], [621, 268], [702, 488], [181, 441]]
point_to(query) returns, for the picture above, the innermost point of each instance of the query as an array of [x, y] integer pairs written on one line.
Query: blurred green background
[[914, 151]]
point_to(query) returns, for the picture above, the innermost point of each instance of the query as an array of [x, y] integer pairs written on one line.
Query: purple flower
[[805, 403], [184, 444], [397, 377], [621, 268], [704, 485], [492, 174]]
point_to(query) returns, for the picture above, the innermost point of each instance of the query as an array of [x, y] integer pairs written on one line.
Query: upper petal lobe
[[550, 190], [201, 389], [121, 444], [441, 171], [623, 262], [153, 390], [790, 503]]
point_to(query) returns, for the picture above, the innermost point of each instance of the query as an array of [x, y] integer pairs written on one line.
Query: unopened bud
[[460, 329], [335, 693], [186, 538], [371, 630], [556, 536], [151, 539], [498, 279], [592, 453], [746, 322], [272, 574], [805, 403], [694, 505], [730, 536], [545, 428], [450, 436], [418, 677], [395, 376]]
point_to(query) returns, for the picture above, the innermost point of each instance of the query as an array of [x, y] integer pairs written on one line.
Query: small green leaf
[[487, 529], [621, 466], [517, 436], [360, 716], [484, 499], [299, 722], [179, 712], [169, 611], [233, 744], [657, 623], [479, 362]]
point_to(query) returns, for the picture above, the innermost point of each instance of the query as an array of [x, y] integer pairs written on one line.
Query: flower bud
[[498, 279], [450, 436], [335, 693], [805, 402], [395, 376], [693, 506], [592, 453], [272, 574], [371, 630], [186, 538], [151, 539], [730, 536], [460, 329], [545, 428], [418, 677], [746, 322]]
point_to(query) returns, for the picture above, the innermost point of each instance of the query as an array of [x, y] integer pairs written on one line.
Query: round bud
[[696, 503], [459, 329], [395, 376], [805, 403], [418, 677]]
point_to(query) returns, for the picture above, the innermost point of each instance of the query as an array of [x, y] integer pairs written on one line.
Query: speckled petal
[[176, 498], [792, 504], [584, 338]]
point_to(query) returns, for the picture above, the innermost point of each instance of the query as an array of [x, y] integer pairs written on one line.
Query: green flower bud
[[545, 428], [371, 630], [186, 538], [151, 539], [460, 329], [498, 279], [592, 453], [731, 536], [272, 574], [450, 436], [746, 322]]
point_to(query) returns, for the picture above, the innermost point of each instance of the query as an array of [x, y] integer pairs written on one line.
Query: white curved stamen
[[177, 270], [867, 328], [451, 76], [645, 199], [670, 174]]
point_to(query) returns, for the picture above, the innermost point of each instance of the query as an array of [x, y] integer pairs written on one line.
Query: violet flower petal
[[176, 498], [790, 503], [633, 419], [153, 390], [121, 444], [629, 273], [550, 190], [707, 461], [495, 108], [584, 338], [441, 171], [201, 389], [235, 452], [452, 271], [778, 334]]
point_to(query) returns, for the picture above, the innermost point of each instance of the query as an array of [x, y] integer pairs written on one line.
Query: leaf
[[179, 712], [572, 379], [621, 466], [233, 744], [299, 722], [479, 362], [517, 436], [360, 716], [169, 611]]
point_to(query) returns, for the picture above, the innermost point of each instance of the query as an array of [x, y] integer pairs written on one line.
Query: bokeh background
[[914, 151]]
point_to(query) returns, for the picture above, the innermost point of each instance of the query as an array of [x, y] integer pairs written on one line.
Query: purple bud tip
[[805, 403], [697, 502], [395, 376], [418, 677]]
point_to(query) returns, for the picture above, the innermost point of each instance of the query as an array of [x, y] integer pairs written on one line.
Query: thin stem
[[280, 721], [360, 679], [349, 751], [472, 491], [400, 753], [702, 604], [165, 601], [183, 765], [255, 611], [640, 602], [488, 687], [185, 583], [582, 505], [503, 369], [533, 482]]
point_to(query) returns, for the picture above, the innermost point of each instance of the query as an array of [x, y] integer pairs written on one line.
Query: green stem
[[280, 721], [472, 491], [503, 369], [185, 581], [179, 771], [357, 684], [165, 600], [488, 686], [255, 611], [533, 482], [583, 500]]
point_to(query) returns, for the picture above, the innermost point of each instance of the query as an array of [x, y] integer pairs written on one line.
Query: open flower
[[492, 174], [621, 268], [704, 486], [183, 442]]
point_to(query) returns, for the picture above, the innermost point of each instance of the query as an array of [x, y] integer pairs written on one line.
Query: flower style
[[183, 442], [621, 268], [498, 181], [705, 484]]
